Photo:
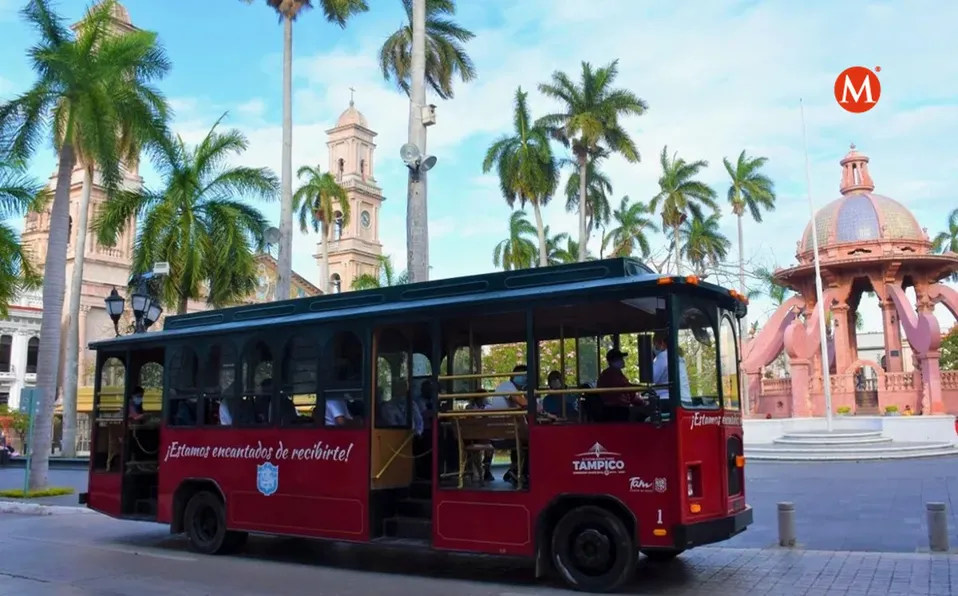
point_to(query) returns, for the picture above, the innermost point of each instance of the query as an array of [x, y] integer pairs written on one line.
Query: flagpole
[[826, 376]]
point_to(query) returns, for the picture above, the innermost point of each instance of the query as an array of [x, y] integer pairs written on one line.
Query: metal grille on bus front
[[733, 449]]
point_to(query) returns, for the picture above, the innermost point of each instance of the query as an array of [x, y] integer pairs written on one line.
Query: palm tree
[[385, 277], [598, 191], [317, 201], [526, 168], [749, 188], [555, 255], [93, 87], [768, 287], [18, 194], [517, 251], [703, 244], [589, 123], [446, 57], [334, 11], [631, 222], [197, 221], [680, 194], [947, 241], [567, 252]]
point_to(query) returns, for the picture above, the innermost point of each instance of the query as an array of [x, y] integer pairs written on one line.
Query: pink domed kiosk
[[869, 245]]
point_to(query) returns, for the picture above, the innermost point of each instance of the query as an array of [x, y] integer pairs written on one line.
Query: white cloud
[[719, 77]]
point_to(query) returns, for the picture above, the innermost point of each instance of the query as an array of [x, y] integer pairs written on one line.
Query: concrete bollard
[[937, 527], [786, 524]]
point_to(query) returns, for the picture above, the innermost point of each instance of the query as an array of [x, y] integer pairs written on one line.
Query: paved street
[[870, 506], [90, 555]]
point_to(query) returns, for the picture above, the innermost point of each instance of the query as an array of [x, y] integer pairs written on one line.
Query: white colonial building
[[19, 345]]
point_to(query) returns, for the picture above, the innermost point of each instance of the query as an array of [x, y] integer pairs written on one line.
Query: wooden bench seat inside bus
[[476, 433]]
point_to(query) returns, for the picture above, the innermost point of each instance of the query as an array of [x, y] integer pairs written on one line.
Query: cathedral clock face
[[365, 219]]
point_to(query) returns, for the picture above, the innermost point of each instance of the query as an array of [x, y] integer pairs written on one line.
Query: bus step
[[421, 508], [145, 507], [420, 489], [407, 527]]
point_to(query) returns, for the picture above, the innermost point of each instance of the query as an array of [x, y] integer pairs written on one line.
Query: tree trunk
[[73, 347], [677, 249], [48, 358], [417, 221], [583, 191], [324, 263], [285, 260], [541, 232], [741, 258], [743, 322], [183, 305]]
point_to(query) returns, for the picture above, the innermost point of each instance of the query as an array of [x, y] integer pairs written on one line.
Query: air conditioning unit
[[429, 115]]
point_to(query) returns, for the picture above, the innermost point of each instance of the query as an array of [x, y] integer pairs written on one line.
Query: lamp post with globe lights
[[146, 309]]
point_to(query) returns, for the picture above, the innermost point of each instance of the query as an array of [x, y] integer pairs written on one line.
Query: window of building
[[297, 400], [337, 226], [342, 373], [253, 407], [33, 353], [6, 352]]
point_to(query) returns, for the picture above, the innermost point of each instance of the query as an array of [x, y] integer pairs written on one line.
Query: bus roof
[[502, 286]]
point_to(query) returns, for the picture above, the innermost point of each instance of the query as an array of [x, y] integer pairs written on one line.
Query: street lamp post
[[146, 310]]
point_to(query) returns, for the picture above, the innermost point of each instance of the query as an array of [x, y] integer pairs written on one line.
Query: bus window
[[392, 380], [108, 414], [342, 371], [297, 400], [151, 379], [599, 342], [219, 384], [697, 360], [729, 354], [182, 402], [253, 407]]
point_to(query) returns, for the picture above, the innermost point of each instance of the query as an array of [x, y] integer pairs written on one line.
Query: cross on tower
[[352, 93]]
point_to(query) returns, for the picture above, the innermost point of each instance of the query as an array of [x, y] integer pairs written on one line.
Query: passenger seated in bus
[[618, 405], [337, 411], [552, 403], [185, 410], [660, 370], [501, 400], [392, 412], [135, 412], [287, 409]]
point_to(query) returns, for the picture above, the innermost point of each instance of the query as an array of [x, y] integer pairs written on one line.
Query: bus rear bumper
[[709, 532], [84, 498]]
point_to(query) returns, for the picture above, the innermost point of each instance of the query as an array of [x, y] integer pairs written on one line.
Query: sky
[[719, 77]]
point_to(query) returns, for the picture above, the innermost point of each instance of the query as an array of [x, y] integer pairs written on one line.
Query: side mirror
[[646, 357]]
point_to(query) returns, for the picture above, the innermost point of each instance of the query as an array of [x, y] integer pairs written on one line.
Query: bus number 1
[[659, 518]]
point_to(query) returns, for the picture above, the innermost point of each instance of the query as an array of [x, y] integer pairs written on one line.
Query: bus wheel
[[662, 555], [593, 550], [205, 523]]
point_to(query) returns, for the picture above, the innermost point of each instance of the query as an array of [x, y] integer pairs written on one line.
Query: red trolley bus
[[608, 393]]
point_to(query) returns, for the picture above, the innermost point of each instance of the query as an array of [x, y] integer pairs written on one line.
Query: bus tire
[[205, 523], [593, 550], [662, 555]]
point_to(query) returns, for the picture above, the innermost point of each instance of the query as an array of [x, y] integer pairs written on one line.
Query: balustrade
[[776, 386], [949, 380]]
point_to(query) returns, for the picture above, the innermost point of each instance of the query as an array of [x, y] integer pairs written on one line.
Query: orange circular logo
[[857, 89]]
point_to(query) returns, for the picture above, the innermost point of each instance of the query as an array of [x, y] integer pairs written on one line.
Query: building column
[[81, 347], [841, 337], [892, 334], [18, 360], [931, 383], [801, 378]]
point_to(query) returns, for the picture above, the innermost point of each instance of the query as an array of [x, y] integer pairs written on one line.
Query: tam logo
[[857, 89]]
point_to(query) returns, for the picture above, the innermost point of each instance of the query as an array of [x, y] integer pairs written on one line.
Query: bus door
[[141, 440], [732, 413], [694, 367], [107, 428]]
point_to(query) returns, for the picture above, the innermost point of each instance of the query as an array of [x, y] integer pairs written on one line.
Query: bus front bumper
[[84, 498], [709, 532]]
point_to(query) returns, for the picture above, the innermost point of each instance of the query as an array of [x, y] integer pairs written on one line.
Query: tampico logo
[[857, 89], [598, 461], [267, 478]]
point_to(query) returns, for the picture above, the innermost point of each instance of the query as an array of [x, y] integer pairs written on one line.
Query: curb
[[18, 508]]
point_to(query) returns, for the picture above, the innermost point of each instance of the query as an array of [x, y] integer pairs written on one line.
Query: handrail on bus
[[476, 376], [395, 454], [569, 391], [480, 413]]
